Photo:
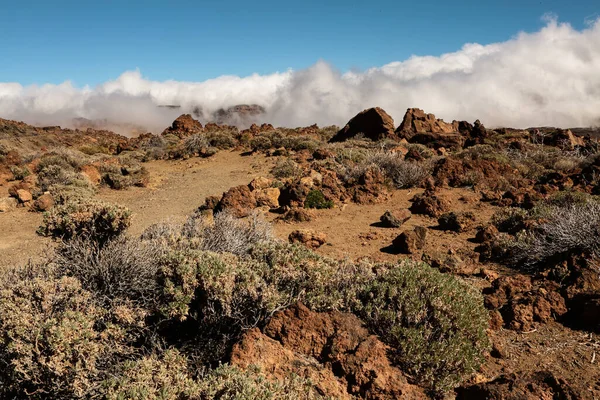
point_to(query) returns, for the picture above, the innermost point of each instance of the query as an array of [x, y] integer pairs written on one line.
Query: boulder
[[394, 220], [456, 221], [44, 202], [8, 203], [238, 200], [267, 197], [333, 349], [24, 196], [91, 173], [309, 238], [374, 123], [486, 233], [410, 242], [296, 215], [428, 203], [260, 183], [565, 139]]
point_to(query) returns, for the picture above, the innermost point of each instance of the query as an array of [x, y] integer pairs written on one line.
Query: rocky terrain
[[429, 259]]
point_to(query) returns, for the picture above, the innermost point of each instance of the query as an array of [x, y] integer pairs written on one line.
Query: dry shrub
[[403, 174], [223, 233], [153, 377], [435, 323], [228, 234], [98, 220], [231, 383], [120, 269], [566, 230], [53, 339], [286, 168]]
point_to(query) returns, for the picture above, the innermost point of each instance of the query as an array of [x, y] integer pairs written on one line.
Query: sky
[[64, 59]]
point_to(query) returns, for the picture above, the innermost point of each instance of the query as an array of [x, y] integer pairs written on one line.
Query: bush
[[403, 174], [153, 377], [228, 234], [286, 168], [195, 144], [53, 339], [230, 293], [65, 159], [231, 383], [567, 230], [316, 199], [510, 220], [436, 324], [121, 269], [123, 174], [97, 220], [64, 184], [19, 173]]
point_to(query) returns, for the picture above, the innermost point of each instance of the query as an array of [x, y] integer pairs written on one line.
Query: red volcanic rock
[[184, 126], [374, 123], [333, 349], [417, 121]]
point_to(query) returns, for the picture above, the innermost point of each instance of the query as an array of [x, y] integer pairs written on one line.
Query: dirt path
[[177, 188]]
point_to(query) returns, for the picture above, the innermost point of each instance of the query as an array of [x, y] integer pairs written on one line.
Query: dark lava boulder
[[374, 124]]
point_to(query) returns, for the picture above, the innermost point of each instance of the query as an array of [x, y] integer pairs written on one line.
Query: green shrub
[[94, 219], [286, 168], [64, 184], [231, 383], [435, 323], [65, 159], [510, 220], [127, 172], [19, 173], [153, 377], [260, 143], [53, 339], [316, 199]]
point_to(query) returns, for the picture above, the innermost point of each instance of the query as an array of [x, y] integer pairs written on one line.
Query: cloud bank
[[549, 77]]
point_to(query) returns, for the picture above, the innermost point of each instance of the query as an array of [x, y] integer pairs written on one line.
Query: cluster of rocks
[[333, 349]]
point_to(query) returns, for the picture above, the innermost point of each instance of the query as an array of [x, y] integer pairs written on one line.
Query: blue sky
[[91, 42]]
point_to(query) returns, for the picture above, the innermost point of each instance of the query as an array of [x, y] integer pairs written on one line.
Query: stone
[[8, 203], [410, 242], [395, 220], [267, 197], [44, 203], [374, 123], [309, 238]]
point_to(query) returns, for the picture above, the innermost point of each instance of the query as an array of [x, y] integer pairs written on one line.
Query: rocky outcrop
[[333, 349], [374, 123], [239, 201], [523, 303], [238, 114], [184, 126], [417, 121]]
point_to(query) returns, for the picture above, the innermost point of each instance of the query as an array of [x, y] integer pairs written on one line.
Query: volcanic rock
[[333, 349], [394, 220], [456, 222], [410, 242], [309, 238], [184, 126], [373, 123], [238, 200]]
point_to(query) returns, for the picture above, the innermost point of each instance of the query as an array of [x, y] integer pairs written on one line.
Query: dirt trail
[[176, 189]]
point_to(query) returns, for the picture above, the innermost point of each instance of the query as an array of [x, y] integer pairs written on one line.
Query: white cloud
[[549, 77]]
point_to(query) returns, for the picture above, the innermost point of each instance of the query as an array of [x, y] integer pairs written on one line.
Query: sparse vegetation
[[286, 168], [93, 219], [316, 199], [435, 323]]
